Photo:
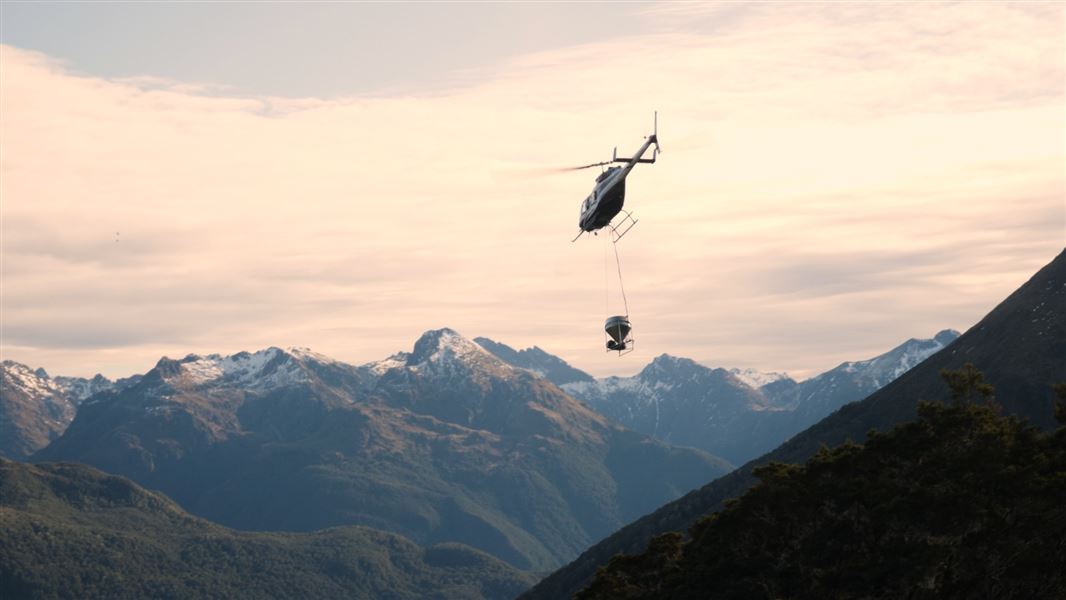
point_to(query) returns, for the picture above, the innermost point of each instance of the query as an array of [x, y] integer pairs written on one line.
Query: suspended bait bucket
[[618, 328]]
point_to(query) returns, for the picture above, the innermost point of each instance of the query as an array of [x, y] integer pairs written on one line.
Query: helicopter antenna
[[655, 136]]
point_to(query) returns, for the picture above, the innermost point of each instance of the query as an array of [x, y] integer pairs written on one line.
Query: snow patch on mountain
[[885, 368], [755, 378], [446, 354], [395, 361], [78, 389], [268, 368], [29, 381], [306, 354], [446, 345]]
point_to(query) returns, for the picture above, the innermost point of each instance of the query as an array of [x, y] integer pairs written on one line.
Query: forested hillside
[[962, 503], [70, 531]]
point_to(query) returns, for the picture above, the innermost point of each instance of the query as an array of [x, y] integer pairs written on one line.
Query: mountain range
[[1020, 347], [731, 413], [445, 443]]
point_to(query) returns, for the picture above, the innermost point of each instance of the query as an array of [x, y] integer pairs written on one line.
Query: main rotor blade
[[599, 164]]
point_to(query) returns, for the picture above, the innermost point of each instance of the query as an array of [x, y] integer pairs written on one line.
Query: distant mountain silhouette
[[71, 531], [1020, 346], [730, 413], [445, 443]]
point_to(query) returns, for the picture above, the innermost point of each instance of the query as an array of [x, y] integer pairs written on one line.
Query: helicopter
[[609, 193], [598, 211]]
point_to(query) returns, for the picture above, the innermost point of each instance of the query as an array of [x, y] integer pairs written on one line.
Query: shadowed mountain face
[[36, 408], [683, 402], [1020, 346], [445, 443], [548, 366], [71, 531], [733, 414]]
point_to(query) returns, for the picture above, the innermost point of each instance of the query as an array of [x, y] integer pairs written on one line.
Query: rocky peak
[[269, 368], [437, 345], [666, 366], [446, 352]]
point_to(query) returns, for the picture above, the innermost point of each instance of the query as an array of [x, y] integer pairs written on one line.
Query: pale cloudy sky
[[837, 177]]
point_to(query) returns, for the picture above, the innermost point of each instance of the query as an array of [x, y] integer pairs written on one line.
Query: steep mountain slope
[[963, 503], [1020, 346], [445, 443], [548, 366], [71, 531], [36, 408]]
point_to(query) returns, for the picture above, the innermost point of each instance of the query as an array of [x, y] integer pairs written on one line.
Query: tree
[[967, 384]]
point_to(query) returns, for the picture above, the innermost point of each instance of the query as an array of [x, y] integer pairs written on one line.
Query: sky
[[204, 178]]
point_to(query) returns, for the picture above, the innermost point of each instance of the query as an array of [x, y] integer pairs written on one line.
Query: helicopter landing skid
[[616, 230]]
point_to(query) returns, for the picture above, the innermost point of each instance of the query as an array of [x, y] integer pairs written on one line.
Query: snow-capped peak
[[885, 368], [271, 367], [37, 383], [309, 354], [380, 367], [665, 364], [28, 380], [446, 344], [755, 378]]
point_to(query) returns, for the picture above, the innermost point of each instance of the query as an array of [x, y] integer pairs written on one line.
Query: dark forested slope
[[962, 503]]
